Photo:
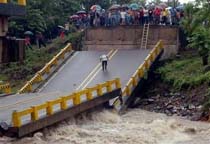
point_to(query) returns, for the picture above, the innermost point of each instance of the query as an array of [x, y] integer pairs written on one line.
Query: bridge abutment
[[129, 37]]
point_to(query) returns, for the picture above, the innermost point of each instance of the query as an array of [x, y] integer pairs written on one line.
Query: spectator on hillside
[[40, 40], [28, 42], [123, 14], [150, 16], [141, 17], [62, 35], [146, 16], [173, 15], [164, 16], [157, 14]]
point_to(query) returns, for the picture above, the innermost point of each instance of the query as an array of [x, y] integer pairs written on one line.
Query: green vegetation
[[18, 73], [45, 15], [197, 26], [184, 73]]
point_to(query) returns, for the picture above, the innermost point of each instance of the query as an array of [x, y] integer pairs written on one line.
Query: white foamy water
[[135, 127]]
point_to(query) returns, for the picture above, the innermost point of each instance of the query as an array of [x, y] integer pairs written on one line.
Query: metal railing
[[20, 2], [33, 112], [140, 72], [5, 88], [28, 87], [142, 69]]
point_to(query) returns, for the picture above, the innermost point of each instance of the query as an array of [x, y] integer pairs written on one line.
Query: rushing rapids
[[134, 127]]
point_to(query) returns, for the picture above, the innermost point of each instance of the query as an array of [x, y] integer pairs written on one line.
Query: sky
[[185, 1], [182, 1]]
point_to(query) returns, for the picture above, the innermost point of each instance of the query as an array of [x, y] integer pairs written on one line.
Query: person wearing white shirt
[[123, 14], [104, 59]]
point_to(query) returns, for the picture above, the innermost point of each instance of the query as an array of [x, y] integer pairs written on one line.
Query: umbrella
[[151, 6], [169, 8], [115, 7], [159, 7], [163, 5], [95, 8], [134, 6], [28, 33], [61, 27], [74, 17], [125, 6], [180, 7], [81, 12]]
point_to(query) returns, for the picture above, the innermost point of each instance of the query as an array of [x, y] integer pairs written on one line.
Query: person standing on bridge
[[104, 59]]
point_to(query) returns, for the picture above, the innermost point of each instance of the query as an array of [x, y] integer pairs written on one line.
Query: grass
[[184, 72], [18, 73]]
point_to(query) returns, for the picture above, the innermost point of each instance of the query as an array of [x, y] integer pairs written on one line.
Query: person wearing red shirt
[[157, 13], [141, 17], [62, 35], [27, 42]]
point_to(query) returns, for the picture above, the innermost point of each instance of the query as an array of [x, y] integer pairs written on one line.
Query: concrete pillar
[[22, 2], [3, 1], [3, 26], [1, 50]]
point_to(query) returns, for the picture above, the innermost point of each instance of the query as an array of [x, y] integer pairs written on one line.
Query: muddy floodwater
[[134, 127]]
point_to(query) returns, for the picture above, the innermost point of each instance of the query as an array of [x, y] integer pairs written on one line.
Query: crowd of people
[[128, 16]]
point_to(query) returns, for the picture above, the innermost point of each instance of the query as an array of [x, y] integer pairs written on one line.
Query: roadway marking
[[37, 97], [55, 74], [113, 54], [92, 72], [32, 99]]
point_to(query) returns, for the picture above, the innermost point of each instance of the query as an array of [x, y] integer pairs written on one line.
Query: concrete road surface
[[79, 72]]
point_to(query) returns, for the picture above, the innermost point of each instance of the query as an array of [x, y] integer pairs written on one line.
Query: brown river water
[[134, 127]]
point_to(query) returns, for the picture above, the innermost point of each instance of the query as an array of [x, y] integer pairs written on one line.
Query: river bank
[[180, 86]]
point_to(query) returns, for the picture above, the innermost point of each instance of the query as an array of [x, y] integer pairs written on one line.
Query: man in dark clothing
[[40, 40]]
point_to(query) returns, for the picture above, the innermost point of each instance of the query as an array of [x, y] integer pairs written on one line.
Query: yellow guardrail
[[62, 101], [28, 87], [132, 83], [142, 69], [5, 88], [20, 2]]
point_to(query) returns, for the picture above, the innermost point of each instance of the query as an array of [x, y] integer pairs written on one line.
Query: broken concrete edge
[[60, 116]]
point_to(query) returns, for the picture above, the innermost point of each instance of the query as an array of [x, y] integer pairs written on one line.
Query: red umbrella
[[74, 17], [159, 7], [95, 8], [163, 5]]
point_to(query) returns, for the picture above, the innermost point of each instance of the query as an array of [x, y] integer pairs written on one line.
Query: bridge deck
[[81, 71]]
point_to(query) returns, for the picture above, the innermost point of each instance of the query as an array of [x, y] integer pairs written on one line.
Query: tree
[[196, 25], [200, 39]]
